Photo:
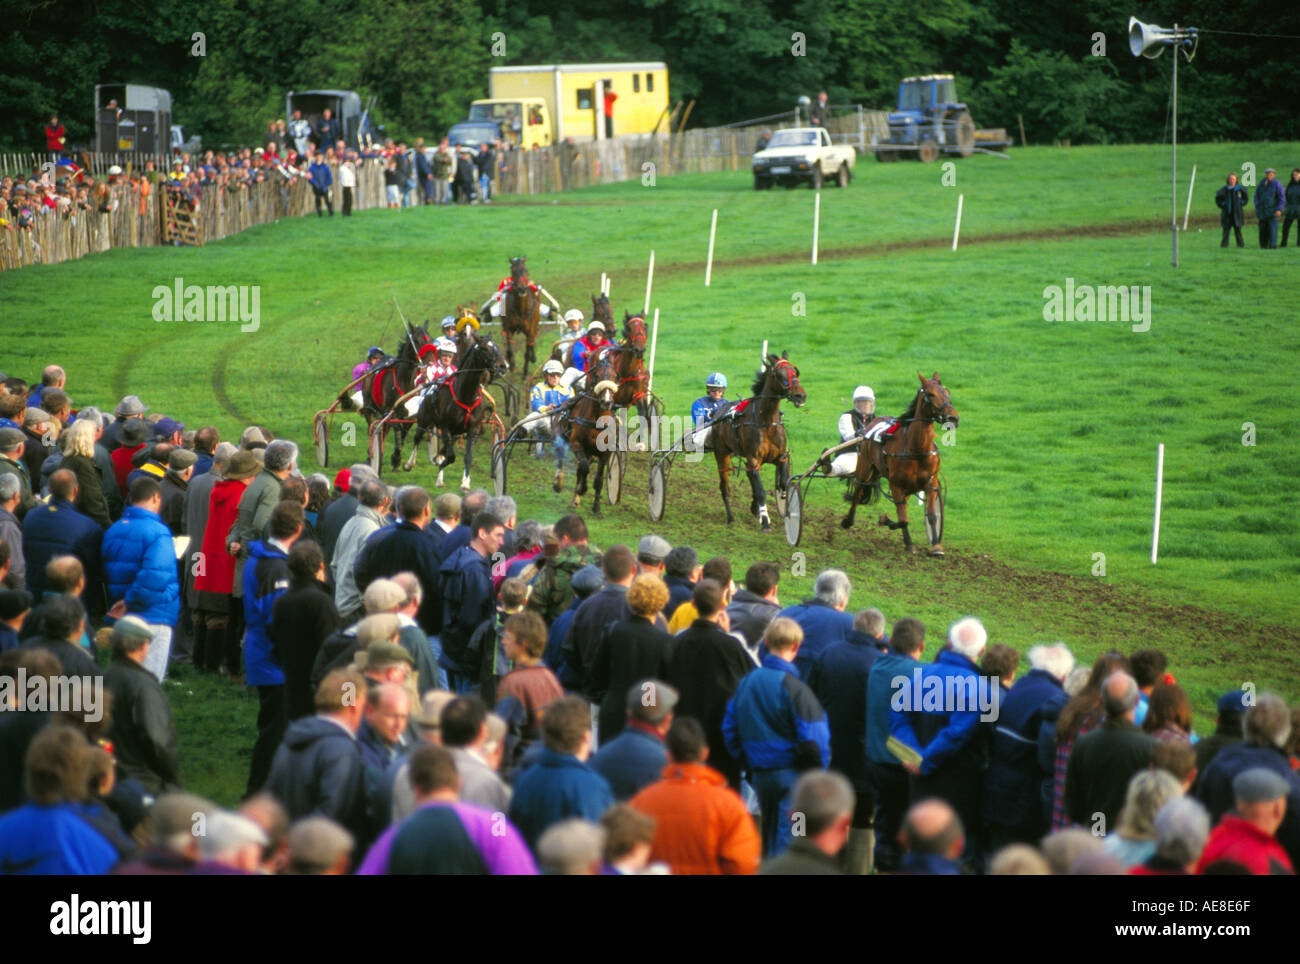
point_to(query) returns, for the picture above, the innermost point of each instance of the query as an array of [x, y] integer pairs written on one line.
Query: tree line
[[1064, 69]]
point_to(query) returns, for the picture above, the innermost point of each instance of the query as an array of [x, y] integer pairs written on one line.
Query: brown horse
[[589, 426], [908, 460], [520, 314], [384, 384], [752, 430], [459, 406], [562, 349]]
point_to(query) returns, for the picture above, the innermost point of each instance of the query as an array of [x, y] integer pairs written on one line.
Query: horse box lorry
[[545, 104]]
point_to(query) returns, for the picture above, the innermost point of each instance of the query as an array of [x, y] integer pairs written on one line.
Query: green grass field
[[1053, 461]]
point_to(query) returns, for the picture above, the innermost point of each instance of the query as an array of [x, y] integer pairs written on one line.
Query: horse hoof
[[846, 523], [765, 524], [559, 482], [884, 521], [936, 550], [910, 550]]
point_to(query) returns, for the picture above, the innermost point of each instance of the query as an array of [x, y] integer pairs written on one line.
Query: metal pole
[[817, 220], [1173, 173]]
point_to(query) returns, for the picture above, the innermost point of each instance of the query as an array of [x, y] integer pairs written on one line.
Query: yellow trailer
[[574, 96]]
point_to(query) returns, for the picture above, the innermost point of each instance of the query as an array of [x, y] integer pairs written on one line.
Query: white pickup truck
[[803, 153]]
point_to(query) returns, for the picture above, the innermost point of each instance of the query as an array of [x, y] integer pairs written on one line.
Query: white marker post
[[1190, 184], [654, 339], [708, 265], [762, 359], [1160, 482], [604, 281], [817, 220], [649, 280], [956, 231]]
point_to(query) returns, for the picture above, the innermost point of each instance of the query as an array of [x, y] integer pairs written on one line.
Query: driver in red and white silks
[[585, 350]]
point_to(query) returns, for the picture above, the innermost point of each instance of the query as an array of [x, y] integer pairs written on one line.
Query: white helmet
[[447, 349], [573, 314], [552, 367], [863, 391], [596, 326]]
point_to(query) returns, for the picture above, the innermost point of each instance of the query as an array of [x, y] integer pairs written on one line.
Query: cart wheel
[[658, 491], [935, 533], [321, 434], [782, 500], [377, 448], [614, 477], [793, 514], [499, 456]]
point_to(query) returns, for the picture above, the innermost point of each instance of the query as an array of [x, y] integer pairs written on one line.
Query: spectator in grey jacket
[[256, 503], [11, 530], [372, 503], [753, 607], [466, 732]]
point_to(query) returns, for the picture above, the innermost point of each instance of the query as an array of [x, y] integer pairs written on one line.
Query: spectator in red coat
[[1248, 836], [55, 136], [136, 433]]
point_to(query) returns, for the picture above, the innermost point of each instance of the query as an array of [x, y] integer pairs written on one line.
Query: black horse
[[459, 406], [384, 384]]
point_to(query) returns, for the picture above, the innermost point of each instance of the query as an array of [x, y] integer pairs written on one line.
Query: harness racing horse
[[562, 349], [752, 430], [589, 426], [383, 386], [520, 314], [908, 460], [459, 406], [630, 371]]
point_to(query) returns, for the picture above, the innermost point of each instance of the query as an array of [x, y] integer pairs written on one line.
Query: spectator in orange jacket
[[701, 825]]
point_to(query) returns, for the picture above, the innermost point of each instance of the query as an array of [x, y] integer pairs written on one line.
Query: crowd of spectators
[[413, 174], [443, 687]]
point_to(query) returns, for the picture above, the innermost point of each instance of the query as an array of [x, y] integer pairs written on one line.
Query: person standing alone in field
[[1231, 199]]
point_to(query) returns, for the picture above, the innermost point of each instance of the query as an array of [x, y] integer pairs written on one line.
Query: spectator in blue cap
[[1231, 708]]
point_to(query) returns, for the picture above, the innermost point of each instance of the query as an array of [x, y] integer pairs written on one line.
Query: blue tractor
[[931, 121]]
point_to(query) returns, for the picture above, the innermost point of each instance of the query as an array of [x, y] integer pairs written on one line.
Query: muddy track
[[219, 365]]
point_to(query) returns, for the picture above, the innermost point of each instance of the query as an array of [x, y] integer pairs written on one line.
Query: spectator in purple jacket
[[445, 836]]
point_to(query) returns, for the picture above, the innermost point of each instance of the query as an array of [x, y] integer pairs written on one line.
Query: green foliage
[[1060, 98]]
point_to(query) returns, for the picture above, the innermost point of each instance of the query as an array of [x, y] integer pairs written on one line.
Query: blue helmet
[[374, 351], [716, 380]]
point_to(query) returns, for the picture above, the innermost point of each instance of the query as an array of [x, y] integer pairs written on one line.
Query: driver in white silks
[[853, 428]]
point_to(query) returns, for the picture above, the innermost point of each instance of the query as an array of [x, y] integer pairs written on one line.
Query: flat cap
[[1258, 785], [653, 549]]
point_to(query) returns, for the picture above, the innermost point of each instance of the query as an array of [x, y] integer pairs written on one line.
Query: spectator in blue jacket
[[57, 529], [934, 838], [637, 756], [1267, 729], [560, 785], [822, 618], [889, 781], [266, 579], [466, 589], [839, 681], [1013, 784], [321, 179], [1231, 199], [140, 566], [948, 738], [776, 728], [50, 834], [1270, 203]]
